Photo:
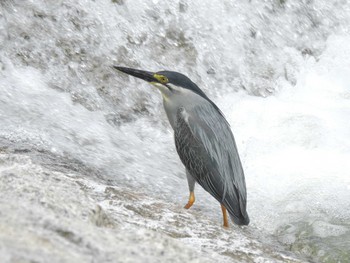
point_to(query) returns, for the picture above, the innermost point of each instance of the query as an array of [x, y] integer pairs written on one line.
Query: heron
[[203, 140]]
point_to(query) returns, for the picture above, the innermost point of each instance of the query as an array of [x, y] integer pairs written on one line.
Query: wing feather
[[207, 148]]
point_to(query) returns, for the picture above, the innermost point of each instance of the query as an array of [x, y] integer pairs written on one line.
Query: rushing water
[[279, 70]]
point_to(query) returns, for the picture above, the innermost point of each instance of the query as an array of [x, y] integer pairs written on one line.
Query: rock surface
[[48, 215]]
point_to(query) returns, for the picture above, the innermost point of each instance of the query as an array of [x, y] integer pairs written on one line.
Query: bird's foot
[[191, 200]]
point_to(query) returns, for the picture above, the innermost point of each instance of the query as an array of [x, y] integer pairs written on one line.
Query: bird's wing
[[207, 148]]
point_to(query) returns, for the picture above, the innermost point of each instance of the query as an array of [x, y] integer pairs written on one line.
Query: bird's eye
[[162, 79]]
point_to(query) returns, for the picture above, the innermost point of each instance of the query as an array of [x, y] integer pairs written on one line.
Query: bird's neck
[[170, 110], [173, 103]]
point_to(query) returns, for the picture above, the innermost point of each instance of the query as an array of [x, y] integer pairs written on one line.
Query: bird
[[203, 140]]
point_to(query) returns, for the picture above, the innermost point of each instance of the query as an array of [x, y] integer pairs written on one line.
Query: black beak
[[141, 74]]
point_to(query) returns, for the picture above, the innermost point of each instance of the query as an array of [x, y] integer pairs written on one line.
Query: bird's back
[[207, 148]]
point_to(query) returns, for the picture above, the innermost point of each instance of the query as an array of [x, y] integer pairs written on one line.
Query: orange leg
[[224, 214], [191, 200]]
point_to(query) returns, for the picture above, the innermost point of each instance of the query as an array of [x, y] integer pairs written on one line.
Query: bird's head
[[168, 82]]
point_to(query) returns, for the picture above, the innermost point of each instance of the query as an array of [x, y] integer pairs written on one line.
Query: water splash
[[62, 104]]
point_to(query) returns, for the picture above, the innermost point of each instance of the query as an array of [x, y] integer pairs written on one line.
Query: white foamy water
[[65, 108], [296, 154]]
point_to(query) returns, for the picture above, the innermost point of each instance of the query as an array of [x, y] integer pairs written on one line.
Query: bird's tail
[[241, 221], [237, 210]]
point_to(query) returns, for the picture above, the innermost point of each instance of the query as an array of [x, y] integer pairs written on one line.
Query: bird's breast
[[184, 99], [170, 110]]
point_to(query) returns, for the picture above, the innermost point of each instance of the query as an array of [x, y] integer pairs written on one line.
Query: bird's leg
[[191, 200], [224, 214], [191, 183]]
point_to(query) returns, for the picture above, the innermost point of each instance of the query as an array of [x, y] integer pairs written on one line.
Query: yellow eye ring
[[161, 78]]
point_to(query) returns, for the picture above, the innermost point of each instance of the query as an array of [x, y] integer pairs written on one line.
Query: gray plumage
[[207, 148], [203, 140]]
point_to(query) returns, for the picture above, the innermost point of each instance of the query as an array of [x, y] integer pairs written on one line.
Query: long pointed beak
[[141, 74]]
